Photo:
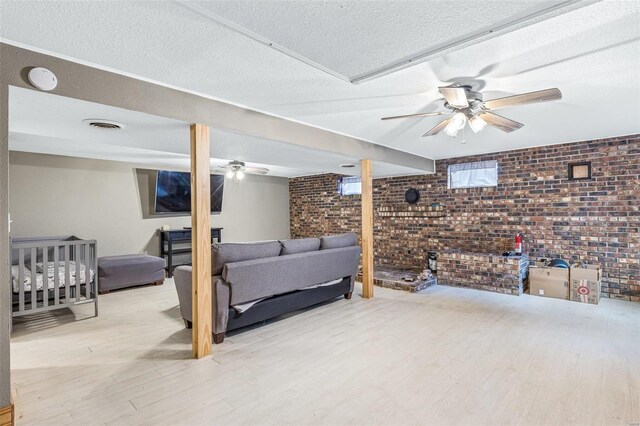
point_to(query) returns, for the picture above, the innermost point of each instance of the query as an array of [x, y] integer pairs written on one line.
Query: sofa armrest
[[220, 296], [182, 280]]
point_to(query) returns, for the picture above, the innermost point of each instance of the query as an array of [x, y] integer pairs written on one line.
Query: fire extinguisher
[[518, 243]]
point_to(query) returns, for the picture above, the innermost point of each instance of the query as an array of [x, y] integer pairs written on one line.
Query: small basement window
[[580, 171], [349, 185], [473, 175]]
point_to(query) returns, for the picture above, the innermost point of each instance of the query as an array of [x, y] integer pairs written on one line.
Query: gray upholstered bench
[[130, 270]]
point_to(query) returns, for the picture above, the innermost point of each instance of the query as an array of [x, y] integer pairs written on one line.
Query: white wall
[[108, 201]]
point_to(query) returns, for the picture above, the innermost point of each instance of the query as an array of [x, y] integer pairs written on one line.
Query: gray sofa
[[252, 282]]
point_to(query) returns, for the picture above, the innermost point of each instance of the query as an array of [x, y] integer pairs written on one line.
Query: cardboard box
[[585, 283], [549, 282]]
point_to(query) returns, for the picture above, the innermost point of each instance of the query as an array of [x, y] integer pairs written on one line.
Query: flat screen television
[[173, 192]]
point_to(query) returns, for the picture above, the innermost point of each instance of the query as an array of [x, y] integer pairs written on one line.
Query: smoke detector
[[99, 123], [42, 78]]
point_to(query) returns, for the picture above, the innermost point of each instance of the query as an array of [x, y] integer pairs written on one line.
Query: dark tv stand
[[181, 237]]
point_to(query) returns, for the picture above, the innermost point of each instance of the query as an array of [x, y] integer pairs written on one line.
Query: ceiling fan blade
[[437, 128], [455, 96], [502, 123], [421, 114], [523, 99], [256, 170]]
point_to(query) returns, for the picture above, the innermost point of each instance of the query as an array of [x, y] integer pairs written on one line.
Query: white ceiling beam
[[91, 84], [470, 39]]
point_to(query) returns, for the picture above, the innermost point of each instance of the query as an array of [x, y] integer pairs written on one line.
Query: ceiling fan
[[237, 169], [468, 106]]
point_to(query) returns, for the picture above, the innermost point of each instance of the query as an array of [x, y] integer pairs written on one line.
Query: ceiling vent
[[104, 124], [348, 166]]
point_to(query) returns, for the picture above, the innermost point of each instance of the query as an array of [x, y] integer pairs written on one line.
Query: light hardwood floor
[[444, 356]]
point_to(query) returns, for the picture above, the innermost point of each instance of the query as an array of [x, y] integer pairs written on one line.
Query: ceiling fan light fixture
[[477, 123], [451, 129], [237, 170], [459, 120]]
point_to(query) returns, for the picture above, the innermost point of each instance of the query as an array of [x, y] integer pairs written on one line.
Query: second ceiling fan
[[238, 169], [467, 106]]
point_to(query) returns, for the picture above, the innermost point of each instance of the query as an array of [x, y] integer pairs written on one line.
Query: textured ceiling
[[591, 53], [352, 39]]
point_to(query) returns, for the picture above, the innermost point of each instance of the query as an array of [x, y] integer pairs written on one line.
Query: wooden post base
[[7, 417], [217, 338], [348, 295]]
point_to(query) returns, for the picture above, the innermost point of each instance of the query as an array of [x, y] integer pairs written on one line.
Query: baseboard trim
[[7, 416]]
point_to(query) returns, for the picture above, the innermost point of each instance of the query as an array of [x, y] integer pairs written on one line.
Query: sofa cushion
[[337, 241], [301, 245], [258, 278], [223, 253]]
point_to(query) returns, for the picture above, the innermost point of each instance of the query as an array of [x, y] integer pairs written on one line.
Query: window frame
[[352, 180], [586, 164], [476, 165]]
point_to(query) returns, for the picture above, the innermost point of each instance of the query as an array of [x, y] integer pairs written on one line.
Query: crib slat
[[96, 279], [94, 266], [67, 279], [84, 262], [56, 275], [87, 271], [21, 279], [78, 260], [45, 277], [34, 281]]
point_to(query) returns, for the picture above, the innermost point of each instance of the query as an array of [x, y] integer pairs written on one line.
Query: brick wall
[[596, 220], [483, 271]]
